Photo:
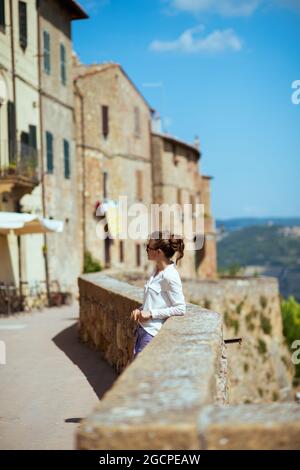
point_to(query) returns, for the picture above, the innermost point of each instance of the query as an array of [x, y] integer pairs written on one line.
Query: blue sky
[[222, 70]]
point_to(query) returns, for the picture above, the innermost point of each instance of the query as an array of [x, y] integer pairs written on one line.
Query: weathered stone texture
[[260, 368], [154, 402], [250, 427]]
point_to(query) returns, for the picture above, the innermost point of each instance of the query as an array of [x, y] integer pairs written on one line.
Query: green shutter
[[63, 75], [49, 147], [2, 15], [67, 158], [23, 24], [47, 62]]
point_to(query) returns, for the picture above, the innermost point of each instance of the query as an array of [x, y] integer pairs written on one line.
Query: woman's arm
[[176, 296]]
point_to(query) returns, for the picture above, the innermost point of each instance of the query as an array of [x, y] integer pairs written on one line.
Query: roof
[[175, 140], [88, 70], [77, 12]]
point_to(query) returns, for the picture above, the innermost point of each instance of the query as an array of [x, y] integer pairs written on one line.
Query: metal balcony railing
[[19, 159]]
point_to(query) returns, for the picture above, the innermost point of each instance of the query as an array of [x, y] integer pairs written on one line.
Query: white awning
[[22, 224]]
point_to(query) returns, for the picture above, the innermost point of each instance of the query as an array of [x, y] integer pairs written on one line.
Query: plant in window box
[[11, 169]]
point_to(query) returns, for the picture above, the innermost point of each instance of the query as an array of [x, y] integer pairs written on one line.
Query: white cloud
[[217, 41], [230, 7], [222, 7]]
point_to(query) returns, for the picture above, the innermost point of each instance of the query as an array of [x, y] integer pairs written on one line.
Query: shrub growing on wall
[[290, 310], [90, 264]]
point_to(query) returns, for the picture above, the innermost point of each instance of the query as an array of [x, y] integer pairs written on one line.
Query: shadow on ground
[[97, 371]]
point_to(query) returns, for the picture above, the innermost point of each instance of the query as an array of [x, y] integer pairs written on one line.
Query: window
[[2, 15], [49, 150], [11, 119], [105, 179], [105, 121], [139, 185], [121, 251], [47, 63], [179, 196], [137, 126], [138, 254], [67, 158], [23, 24], [63, 71]]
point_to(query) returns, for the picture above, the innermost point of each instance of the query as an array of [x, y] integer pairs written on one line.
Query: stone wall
[[155, 401], [260, 368]]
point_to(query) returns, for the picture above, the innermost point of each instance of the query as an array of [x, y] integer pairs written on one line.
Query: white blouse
[[163, 297]]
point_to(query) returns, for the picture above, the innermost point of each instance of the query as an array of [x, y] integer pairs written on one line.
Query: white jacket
[[163, 297]]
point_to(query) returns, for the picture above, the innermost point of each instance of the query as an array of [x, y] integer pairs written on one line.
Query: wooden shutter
[[105, 189], [2, 15], [11, 118], [105, 120], [23, 24], [138, 254], [67, 158], [63, 75], [47, 61], [139, 185], [49, 149]]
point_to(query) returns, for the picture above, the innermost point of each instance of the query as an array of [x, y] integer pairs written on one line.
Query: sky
[[223, 70]]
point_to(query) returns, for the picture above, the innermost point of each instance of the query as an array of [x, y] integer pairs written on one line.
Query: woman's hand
[[140, 314]]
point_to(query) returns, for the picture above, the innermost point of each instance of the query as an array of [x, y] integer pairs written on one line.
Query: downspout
[[82, 132], [15, 144], [42, 174], [13, 66]]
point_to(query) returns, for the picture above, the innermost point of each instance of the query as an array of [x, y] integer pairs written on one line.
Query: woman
[[163, 296]]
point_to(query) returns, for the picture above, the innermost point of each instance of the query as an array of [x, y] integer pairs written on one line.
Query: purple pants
[[142, 339]]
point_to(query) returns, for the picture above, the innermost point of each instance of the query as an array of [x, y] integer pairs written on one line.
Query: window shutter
[[49, 149], [11, 118], [67, 158], [2, 15], [23, 24], [139, 185], [105, 121], [47, 62], [63, 75]]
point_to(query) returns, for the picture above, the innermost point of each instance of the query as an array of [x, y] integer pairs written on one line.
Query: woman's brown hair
[[169, 243]]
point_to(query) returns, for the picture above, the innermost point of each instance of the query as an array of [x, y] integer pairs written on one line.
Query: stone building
[[177, 180], [118, 154], [37, 152], [113, 123]]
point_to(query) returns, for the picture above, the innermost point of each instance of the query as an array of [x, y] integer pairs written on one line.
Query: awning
[[23, 223]]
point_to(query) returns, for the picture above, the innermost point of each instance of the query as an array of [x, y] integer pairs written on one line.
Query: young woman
[[163, 295]]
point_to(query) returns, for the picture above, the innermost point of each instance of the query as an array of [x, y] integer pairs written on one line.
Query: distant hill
[[239, 223], [269, 246]]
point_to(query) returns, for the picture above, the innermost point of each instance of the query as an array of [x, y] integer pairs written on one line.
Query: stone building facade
[[114, 157], [38, 152], [177, 180]]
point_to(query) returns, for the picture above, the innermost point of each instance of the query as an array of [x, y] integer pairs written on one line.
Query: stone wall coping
[[155, 401]]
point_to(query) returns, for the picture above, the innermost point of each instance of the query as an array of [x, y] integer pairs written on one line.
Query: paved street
[[50, 380]]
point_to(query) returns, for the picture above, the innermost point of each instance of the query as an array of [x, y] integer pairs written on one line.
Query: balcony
[[19, 172]]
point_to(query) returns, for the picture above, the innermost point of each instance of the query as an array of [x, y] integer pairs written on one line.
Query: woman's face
[[153, 254]]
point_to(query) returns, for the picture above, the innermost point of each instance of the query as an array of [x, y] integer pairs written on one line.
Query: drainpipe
[[42, 174], [13, 66], [15, 145], [82, 132]]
